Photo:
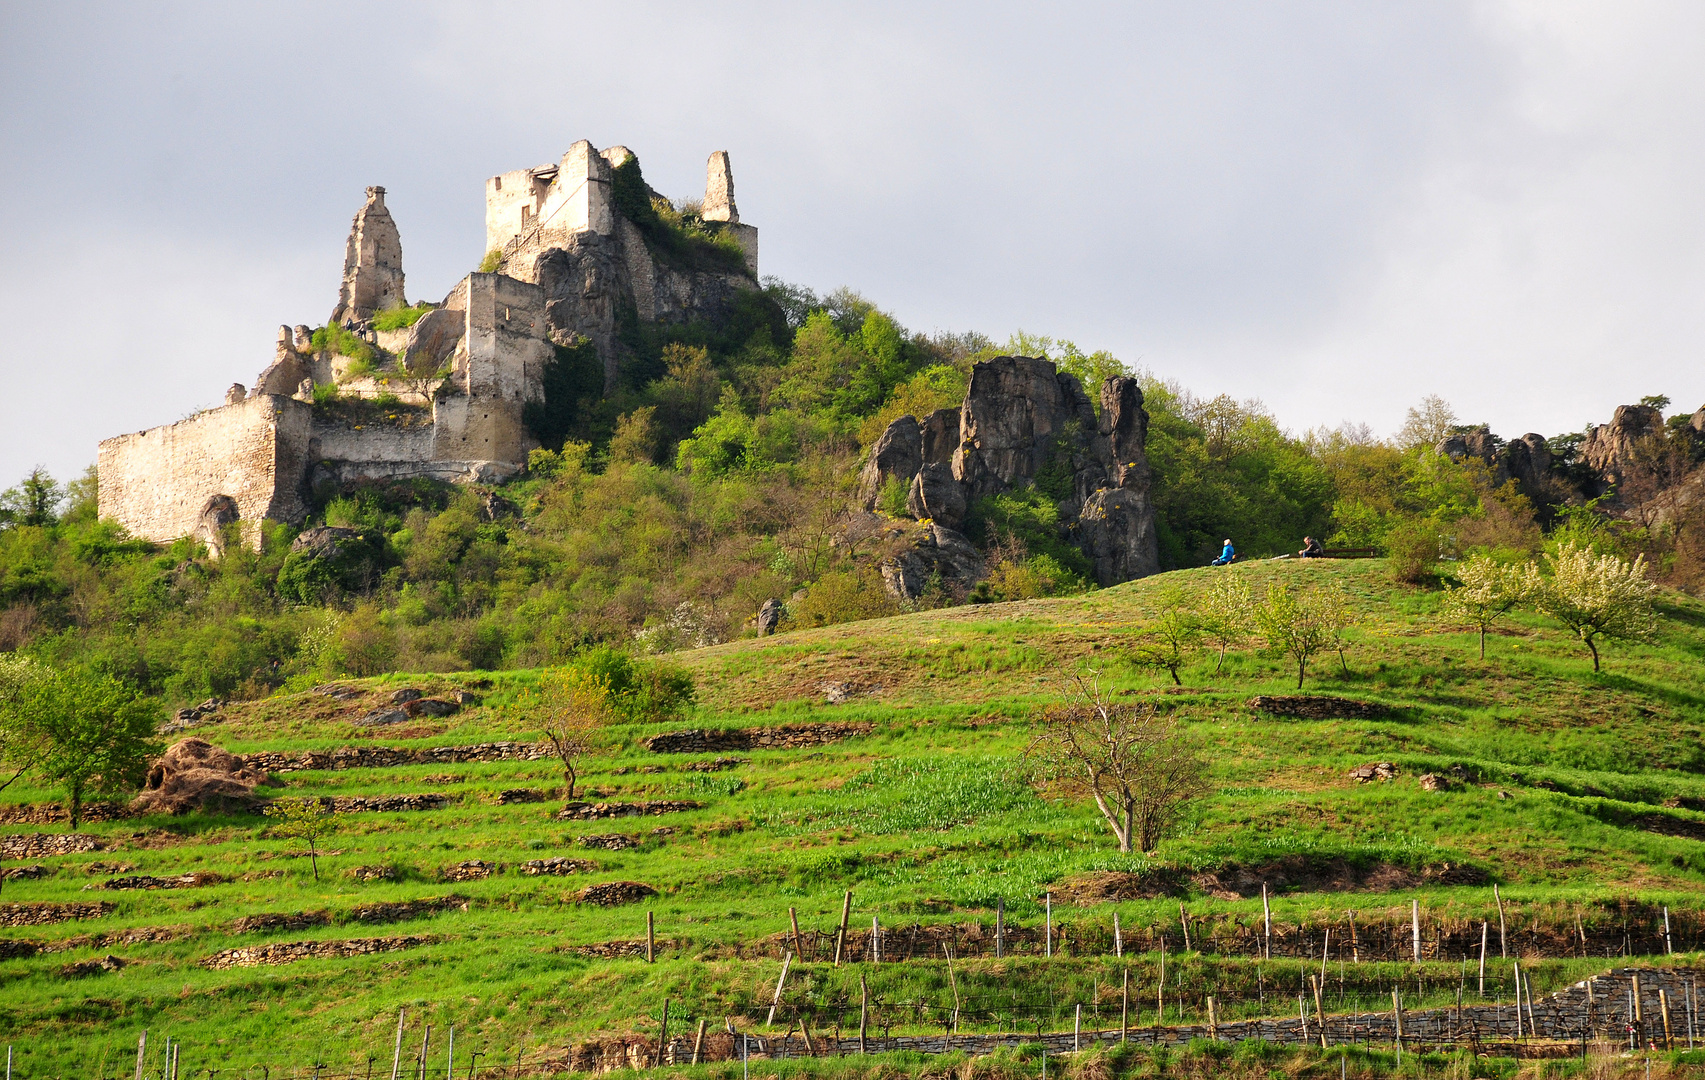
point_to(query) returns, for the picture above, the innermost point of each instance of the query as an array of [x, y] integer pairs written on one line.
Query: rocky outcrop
[[1609, 449], [218, 512], [1526, 460], [896, 456], [785, 737], [292, 951], [936, 496], [196, 775], [769, 616], [1021, 417], [932, 556]]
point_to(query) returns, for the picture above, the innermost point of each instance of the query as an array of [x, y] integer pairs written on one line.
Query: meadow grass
[[925, 821]]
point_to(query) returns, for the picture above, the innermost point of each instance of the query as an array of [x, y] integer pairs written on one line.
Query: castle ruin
[[445, 397]]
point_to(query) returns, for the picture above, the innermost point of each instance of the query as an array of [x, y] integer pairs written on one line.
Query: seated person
[[1311, 549], [1226, 556]]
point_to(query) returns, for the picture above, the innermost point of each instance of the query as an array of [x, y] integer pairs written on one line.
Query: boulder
[[1372, 771], [896, 455], [405, 695], [936, 496], [196, 775], [1527, 460], [495, 506], [941, 436], [932, 553], [769, 617], [431, 707], [324, 541], [432, 339], [1017, 408]]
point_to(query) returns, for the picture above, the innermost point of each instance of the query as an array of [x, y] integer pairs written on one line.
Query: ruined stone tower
[[446, 398], [372, 263], [719, 189]]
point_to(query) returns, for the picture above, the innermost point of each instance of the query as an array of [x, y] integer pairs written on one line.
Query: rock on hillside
[[1020, 415]]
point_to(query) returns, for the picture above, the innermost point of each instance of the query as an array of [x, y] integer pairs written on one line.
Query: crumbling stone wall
[[372, 263], [254, 451], [785, 737], [43, 845], [43, 914], [292, 951]]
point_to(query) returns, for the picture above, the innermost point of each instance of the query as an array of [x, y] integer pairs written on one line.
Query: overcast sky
[[1337, 208]]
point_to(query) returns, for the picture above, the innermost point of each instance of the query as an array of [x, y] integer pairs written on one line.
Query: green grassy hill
[[1582, 801]]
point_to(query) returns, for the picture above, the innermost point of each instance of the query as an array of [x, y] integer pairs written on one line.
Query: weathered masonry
[[445, 397]]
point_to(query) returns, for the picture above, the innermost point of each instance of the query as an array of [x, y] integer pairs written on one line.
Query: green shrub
[[891, 500], [1412, 551], [387, 400], [493, 261], [400, 318], [325, 393], [342, 342]]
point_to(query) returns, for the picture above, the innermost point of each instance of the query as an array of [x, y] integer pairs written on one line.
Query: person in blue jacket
[[1226, 556]]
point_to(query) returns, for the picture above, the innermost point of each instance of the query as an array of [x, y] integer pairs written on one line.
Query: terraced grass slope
[[1580, 799]]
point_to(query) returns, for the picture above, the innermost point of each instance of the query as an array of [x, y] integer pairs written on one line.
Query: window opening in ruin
[[526, 214]]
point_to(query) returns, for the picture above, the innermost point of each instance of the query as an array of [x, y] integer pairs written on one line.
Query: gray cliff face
[[1019, 414]]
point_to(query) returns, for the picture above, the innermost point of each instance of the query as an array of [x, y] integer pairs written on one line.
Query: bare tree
[[568, 707], [1425, 424], [1142, 770]]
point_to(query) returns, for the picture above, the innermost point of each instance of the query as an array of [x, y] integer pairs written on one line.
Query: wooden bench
[[1350, 553]]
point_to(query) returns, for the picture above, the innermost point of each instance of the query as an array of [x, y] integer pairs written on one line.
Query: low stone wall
[[583, 811], [359, 804], [42, 914], [384, 911], [268, 921], [383, 757], [136, 935], [291, 951], [193, 880], [785, 737], [55, 814], [42, 845]]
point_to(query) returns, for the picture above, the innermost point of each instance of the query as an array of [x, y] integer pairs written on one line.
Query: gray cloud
[[1334, 207]]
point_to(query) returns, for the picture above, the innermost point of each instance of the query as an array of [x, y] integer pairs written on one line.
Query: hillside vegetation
[[1579, 795]]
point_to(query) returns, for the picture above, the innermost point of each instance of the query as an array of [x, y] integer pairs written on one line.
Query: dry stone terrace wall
[[43, 914], [384, 757], [292, 951], [42, 845], [785, 737]]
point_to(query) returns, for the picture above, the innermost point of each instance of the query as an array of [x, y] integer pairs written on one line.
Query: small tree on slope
[[1223, 612], [1489, 591], [1302, 624], [1596, 596], [1142, 771]]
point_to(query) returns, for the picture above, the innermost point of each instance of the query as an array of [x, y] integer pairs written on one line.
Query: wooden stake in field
[[1669, 948], [1213, 1021], [397, 1050], [698, 1041], [1184, 921], [775, 1002], [450, 1062], [1397, 1020], [1048, 922], [1483, 959], [1266, 924], [1125, 1005], [1663, 1007], [425, 1042], [650, 938], [1503, 947], [141, 1049], [1580, 933], [1118, 938], [793, 920], [1077, 1028], [1325, 948], [1000, 927], [952, 982], [863, 1009], [1516, 968], [1415, 926], [875, 940], [662, 1034], [1319, 1009], [841, 935], [1639, 1015]]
